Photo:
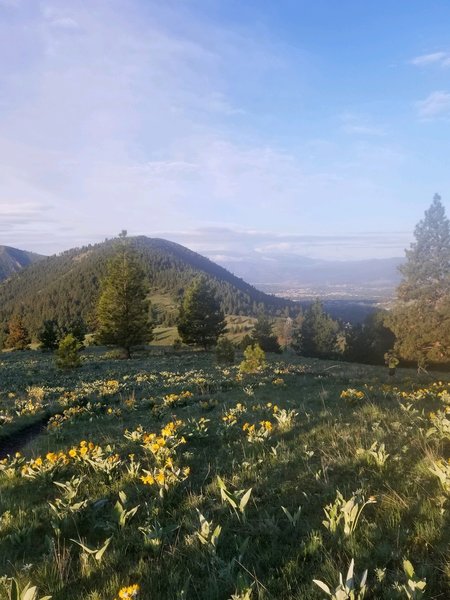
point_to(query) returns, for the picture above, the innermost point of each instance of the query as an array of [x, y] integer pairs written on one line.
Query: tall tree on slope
[[123, 309], [421, 317]]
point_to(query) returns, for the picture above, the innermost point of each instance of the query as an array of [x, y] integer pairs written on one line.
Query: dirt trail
[[15, 442]]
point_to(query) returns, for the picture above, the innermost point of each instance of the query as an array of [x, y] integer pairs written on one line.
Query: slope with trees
[[13, 260], [65, 287]]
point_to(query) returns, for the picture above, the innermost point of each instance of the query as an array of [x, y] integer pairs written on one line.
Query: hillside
[[66, 286], [13, 260]]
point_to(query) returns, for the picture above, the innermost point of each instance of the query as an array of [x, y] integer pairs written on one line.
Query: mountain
[[13, 260], [291, 269], [66, 286]]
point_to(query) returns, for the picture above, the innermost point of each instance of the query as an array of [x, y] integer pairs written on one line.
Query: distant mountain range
[[299, 270], [13, 260]]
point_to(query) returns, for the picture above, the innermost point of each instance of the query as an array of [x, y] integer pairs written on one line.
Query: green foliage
[[122, 309], [254, 360], [68, 353], [421, 318], [263, 335], [319, 332], [18, 337], [350, 589], [29, 592], [369, 341], [201, 321], [48, 337], [225, 351]]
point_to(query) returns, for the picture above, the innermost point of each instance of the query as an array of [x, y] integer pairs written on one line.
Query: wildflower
[[148, 479], [131, 591]]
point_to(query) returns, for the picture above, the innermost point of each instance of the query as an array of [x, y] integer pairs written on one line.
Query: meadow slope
[[191, 481]]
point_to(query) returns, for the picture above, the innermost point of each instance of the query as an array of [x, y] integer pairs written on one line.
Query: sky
[[299, 127]]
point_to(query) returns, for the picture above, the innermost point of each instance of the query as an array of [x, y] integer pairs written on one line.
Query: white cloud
[[437, 104], [435, 58]]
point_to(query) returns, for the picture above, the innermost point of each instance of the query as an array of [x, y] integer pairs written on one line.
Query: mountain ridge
[[13, 260]]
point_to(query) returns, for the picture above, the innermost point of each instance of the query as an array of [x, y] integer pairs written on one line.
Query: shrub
[[254, 360], [68, 353], [225, 351]]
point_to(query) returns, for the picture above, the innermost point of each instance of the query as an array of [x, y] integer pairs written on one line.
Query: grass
[[284, 442]]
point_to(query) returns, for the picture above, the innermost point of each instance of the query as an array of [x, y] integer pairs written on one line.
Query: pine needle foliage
[[123, 308], [18, 336], [201, 320], [421, 318]]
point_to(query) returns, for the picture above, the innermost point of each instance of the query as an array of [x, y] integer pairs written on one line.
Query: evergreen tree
[[201, 320], [421, 317], [263, 336], [319, 332], [18, 337], [225, 351], [68, 353], [122, 309], [49, 335]]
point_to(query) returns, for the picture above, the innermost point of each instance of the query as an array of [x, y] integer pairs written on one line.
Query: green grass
[[319, 448]]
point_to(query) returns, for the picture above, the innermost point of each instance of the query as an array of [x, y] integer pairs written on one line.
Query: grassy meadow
[[169, 477]]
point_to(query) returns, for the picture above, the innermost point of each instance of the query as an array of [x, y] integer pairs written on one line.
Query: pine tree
[[122, 309], [49, 335], [319, 332], [18, 337], [263, 335], [421, 317], [68, 353], [201, 320]]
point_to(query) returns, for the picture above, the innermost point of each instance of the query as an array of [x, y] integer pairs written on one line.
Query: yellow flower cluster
[[166, 476], [172, 399], [260, 434], [131, 591], [352, 394], [85, 451]]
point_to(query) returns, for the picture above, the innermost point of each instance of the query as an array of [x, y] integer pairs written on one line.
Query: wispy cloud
[[361, 125], [441, 59], [227, 245], [437, 104]]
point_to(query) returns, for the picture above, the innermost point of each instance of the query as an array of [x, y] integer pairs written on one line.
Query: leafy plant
[[29, 592], [238, 501], [122, 514], [346, 512], [350, 589]]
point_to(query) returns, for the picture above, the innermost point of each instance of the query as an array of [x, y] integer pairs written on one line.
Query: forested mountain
[[13, 260], [65, 286]]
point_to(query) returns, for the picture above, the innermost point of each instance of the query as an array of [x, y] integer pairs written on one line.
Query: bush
[[68, 353], [254, 360], [225, 351]]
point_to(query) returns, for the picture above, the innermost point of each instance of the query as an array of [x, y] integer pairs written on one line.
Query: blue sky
[[289, 127]]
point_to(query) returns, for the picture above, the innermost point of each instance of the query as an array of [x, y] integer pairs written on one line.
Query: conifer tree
[[318, 333], [122, 309], [18, 337], [263, 335], [68, 352], [201, 320], [49, 335], [421, 317]]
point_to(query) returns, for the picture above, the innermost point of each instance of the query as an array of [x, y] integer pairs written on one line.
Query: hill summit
[[66, 286]]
